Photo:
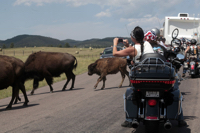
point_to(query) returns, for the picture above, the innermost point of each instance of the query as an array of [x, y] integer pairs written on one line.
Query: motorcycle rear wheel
[[193, 76], [151, 126]]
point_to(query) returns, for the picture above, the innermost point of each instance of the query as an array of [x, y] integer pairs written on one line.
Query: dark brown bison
[[11, 74], [46, 65], [105, 66]]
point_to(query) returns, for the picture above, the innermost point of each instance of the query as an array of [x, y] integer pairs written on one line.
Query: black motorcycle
[[154, 96], [193, 63]]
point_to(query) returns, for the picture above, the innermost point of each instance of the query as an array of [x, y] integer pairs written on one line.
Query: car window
[[110, 51], [118, 49], [107, 51]]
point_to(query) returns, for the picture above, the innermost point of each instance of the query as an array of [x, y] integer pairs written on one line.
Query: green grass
[[84, 58]]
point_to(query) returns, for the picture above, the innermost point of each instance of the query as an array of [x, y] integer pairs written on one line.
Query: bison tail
[[75, 65]]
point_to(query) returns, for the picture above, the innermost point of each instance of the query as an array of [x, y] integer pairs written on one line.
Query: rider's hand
[[115, 41], [125, 42]]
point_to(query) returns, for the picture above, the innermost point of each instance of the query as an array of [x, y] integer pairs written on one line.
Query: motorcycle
[[154, 96], [192, 63]]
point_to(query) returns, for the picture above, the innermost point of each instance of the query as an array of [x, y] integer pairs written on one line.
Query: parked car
[[108, 52]]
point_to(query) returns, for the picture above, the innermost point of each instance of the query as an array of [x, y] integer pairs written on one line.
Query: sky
[[87, 19]]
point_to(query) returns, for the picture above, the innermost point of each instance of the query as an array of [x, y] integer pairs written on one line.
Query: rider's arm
[[188, 47], [128, 51]]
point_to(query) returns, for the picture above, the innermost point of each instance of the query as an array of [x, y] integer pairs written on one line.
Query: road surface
[[85, 110]]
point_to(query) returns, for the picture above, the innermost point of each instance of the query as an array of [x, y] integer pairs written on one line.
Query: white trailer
[[189, 27]]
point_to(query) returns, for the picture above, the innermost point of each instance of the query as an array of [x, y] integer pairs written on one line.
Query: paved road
[[85, 110]]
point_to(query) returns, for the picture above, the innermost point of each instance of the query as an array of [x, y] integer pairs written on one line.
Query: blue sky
[[87, 19]]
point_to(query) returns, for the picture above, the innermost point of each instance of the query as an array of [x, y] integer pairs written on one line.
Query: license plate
[[152, 93]]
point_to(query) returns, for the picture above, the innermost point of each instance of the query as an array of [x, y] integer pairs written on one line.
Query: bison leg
[[70, 75], [35, 85], [17, 98], [49, 81], [127, 74], [103, 87], [124, 71], [15, 91], [123, 77], [22, 88], [99, 79]]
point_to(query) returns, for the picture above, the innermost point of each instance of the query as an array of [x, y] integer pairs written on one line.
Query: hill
[[39, 41], [96, 43], [31, 41]]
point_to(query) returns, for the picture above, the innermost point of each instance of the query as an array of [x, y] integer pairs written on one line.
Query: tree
[[60, 45], [12, 45], [4, 46], [67, 45]]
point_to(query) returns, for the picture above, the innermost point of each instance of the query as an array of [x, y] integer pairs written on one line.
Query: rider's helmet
[[183, 40], [193, 41], [157, 31], [150, 35]]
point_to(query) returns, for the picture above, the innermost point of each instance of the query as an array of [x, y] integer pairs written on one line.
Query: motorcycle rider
[[150, 36], [137, 36], [192, 42], [140, 47], [135, 51]]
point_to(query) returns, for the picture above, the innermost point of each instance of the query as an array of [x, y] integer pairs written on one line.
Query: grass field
[[84, 58]]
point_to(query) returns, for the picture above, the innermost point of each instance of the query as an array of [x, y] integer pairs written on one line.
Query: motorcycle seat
[[152, 58]]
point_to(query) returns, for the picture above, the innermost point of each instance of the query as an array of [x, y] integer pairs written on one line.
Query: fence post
[[14, 52], [23, 52]]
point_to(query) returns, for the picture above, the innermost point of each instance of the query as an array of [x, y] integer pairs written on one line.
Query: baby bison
[[105, 66]]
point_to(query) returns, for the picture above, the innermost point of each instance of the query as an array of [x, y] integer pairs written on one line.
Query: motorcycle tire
[[151, 126], [193, 76]]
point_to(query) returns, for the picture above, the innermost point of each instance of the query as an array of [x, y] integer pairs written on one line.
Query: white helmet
[[157, 31]]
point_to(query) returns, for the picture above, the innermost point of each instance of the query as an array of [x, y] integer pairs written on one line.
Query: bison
[[105, 66], [46, 65], [12, 74]]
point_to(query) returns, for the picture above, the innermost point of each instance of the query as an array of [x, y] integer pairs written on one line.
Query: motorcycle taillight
[[152, 81], [152, 102], [152, 117], [192, 67]]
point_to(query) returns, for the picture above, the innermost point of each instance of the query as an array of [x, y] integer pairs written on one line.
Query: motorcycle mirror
[[175, 33]]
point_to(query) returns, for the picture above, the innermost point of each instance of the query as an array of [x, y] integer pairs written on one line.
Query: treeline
[[41, 41]]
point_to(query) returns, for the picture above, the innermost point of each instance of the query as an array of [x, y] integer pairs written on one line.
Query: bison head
[[91, 68]]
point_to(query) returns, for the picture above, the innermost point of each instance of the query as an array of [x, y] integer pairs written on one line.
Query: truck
[[189, 27]]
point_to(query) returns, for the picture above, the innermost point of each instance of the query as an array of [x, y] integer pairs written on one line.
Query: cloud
[[145, 23], [145, 13], [104, 14], [125, 8]]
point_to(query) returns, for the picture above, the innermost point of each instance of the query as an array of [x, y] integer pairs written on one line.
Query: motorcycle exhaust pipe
[[168, 125], [135, 124]]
